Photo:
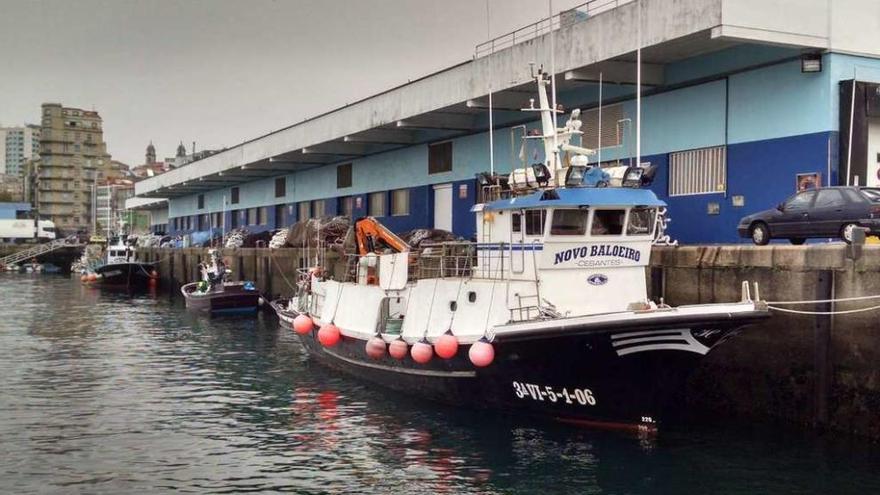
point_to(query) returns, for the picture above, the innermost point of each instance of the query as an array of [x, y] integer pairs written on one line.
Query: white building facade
[[18, 145]]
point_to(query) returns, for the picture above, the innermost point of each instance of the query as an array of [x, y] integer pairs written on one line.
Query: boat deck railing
[[492, 261]]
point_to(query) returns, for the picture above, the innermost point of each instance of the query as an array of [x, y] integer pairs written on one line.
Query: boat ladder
[[37, 250]]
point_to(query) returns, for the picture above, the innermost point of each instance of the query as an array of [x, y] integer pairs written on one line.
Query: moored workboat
[[121, 269], [547, 314], [216, 294]]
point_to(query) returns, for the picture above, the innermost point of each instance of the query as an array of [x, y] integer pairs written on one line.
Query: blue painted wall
[[8, 211], [764, 172], [775, 121]]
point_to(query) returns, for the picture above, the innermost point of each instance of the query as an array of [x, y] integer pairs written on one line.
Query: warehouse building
[[743, 101]]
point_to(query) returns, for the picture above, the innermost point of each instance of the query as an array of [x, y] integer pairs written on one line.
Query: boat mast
[[599, 141], [639, 88], [555, 159], [491, 122]]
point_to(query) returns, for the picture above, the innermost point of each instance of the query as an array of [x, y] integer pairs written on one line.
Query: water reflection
[[105, 393]]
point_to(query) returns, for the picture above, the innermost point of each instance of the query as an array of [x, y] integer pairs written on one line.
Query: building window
[[233, 219], [400, 202], [440, 158], [343, 176], [280, 187], [346, 206], [261, 216], [304, 212], [252, 216], [217, 219], [233, 196], [201, 201], [702, 171], [377, 204], [318, 208], [535, 222], [279, 216]]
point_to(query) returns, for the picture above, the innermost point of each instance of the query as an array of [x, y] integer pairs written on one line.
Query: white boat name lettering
[[595, 251], [582, 396]]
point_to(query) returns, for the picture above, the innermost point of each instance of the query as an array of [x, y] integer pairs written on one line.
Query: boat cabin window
[[516, 222], [641, 221], [535, 222], [607, 222], [569, 222]]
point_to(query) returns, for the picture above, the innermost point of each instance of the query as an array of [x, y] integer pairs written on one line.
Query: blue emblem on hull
[[597, 279]]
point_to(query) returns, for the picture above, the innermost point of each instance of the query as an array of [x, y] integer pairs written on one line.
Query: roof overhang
[[145, 203], [453, 102]]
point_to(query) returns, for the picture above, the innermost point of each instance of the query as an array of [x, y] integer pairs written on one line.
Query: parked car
[[825, 212]]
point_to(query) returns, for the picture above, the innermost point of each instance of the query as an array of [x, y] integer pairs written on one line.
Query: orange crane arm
[[373, 237]]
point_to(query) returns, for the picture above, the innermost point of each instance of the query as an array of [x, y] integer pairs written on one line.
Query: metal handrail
[[545, 25], [37, 250]]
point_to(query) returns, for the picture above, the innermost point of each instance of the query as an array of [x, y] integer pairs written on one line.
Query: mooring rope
[[817, 301], [774, 305], [281, 271], [844, 312]]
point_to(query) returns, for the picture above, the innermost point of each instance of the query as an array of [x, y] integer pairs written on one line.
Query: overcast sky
[[220, 72]]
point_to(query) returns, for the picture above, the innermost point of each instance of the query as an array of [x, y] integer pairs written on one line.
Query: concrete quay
[[814, 371]]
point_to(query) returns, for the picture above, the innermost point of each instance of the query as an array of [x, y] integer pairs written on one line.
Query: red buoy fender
[[482, 353], [303, 324], [329, 335], [421, 352], [398, 349], [446, 346], [375, 347]]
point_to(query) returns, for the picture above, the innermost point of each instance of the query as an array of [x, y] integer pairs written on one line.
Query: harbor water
[[114, 393]]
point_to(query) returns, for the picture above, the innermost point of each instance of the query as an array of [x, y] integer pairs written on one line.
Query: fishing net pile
[[329, 232], [279, 239], [243, 238], [235, 238], [417, 237], [171, 242], [149, 241]]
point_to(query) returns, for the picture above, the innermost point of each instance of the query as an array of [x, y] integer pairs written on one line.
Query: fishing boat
[[215, 294], [120, 267], [547, 314]]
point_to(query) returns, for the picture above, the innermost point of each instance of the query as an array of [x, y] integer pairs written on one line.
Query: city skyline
[[221, 72]]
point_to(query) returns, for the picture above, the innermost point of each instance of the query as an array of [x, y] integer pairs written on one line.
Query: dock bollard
[[857, 243]]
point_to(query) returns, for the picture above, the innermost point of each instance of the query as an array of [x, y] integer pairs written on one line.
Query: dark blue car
[[825, 212]]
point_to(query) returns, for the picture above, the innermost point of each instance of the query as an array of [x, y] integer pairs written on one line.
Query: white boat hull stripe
[[659, 338], [674, 331], [664, 347]]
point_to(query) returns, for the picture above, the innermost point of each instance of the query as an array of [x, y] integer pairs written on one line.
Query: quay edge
[[813, 371]]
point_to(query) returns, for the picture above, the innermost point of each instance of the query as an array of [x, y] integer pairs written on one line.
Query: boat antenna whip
[[491, 121], [639, 88], [555, 159]]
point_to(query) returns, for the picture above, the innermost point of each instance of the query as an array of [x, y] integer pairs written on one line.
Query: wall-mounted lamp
[[811, 62]]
